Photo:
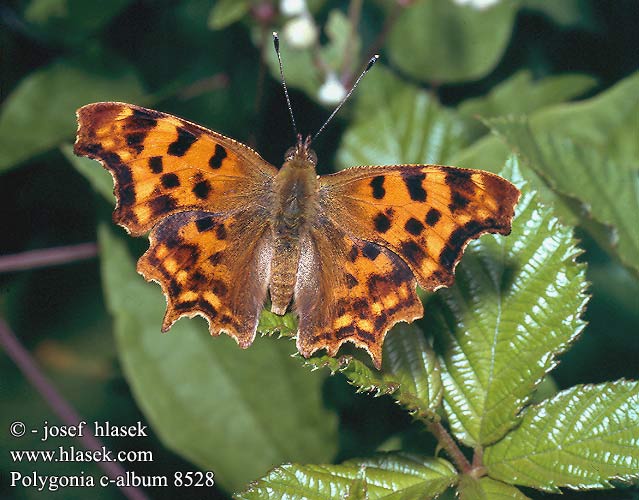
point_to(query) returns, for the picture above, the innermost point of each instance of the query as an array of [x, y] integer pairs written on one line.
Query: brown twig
[[448, 444], [65, 412], [47, 257]]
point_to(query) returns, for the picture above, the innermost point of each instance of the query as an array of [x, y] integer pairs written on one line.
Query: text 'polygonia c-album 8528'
[[346, 250]]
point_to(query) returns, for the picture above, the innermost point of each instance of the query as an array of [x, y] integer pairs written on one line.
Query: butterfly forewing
[[426, 214], [162, 164]]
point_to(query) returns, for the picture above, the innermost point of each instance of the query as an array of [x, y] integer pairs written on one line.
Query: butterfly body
[[227, 228], [295, 206]]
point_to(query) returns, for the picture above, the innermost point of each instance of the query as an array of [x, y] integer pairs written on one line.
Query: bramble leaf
[[506, 98], [481, 36], [586, 437], [515, 305], [486, 488], [603, 181], [388, 476], [410, 371], [411, 127]]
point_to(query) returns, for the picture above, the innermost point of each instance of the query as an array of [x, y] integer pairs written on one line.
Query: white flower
[[477, 4], [300, 32], [292, 7], [332, 91]]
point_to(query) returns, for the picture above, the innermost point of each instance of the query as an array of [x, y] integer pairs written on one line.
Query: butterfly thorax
[[295, 204]]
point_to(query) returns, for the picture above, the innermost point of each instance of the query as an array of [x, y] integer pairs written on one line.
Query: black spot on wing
[[220, 232], [170, 180], [206, 307], [364, 335], [461, 180], [205, 224], [414, 227], [433, 216], [202, 189], [126, 189], [216, 258], [377, 183], [413, 252], [345, 331], [382, 222], [135, 141], [351, 281], [216, 160], [155, 164], [353, 253], [142, 119], [370, 251], [162, 204], [458, 201], [457, 240], [182, 144], [414, 185]]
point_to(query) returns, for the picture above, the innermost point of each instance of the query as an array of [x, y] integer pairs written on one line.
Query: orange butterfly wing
[[382, 231], [352, 291], [426, 214], [162, 164], [204, 197]]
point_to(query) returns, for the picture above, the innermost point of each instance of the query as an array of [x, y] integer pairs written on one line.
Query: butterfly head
[[301, 151]]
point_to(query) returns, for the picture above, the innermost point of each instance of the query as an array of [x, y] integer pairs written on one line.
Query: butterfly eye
[[290, 153], [312, 157]]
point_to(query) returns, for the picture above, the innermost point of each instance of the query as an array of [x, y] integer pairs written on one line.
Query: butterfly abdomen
[[295, 195]]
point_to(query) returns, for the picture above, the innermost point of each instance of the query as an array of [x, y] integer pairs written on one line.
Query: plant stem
[[47, 257], [447, 442], [67, 414]]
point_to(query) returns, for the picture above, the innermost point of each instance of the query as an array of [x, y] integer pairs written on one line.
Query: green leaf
[[611, 114], [597, 119], [605, 188], [71, 21], [421, 45], [486, 488], [515, 305], [100, 180], [410, 371], [271, 324], [506, 98], [226, 12], [389, 476], [40, 113], [236, 412], [410, 126], [586, 437]]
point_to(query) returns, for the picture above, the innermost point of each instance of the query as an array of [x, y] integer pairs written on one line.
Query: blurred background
[[92, 326]]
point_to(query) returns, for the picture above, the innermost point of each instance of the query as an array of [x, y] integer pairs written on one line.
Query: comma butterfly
[[227, 227]]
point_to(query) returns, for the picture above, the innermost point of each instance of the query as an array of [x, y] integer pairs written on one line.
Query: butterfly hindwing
[[162, 164], [214, 266], [354, 291], [426, 214]]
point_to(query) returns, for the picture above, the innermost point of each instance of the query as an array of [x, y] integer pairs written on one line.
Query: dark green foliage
[[542, 91]]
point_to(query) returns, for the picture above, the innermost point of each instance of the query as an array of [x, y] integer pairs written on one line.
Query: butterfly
[[345, 251]]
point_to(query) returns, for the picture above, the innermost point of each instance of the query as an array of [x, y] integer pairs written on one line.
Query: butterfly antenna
[[372, 61], [276, 44]]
